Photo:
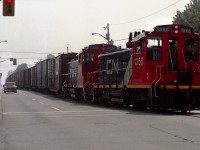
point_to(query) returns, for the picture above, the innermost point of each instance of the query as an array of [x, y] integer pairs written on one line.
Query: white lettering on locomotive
[[111, 66], [139, 61]]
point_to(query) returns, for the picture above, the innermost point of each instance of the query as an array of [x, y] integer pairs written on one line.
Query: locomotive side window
[[89, 60], [191, 49], [154, 48], [138, 47]]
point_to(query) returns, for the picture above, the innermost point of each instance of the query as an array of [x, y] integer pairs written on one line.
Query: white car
[[10, 87]]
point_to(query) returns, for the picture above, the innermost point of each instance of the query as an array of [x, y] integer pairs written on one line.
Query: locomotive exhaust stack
[[129, 43]]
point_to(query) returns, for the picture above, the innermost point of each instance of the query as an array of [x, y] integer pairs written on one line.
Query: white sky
[[49, 25]]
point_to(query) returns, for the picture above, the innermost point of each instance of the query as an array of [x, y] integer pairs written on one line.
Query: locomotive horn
[[135, 34]]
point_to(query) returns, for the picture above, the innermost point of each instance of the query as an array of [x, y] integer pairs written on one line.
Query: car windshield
[[9, 84]]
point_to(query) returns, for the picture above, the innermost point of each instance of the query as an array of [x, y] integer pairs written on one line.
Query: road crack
[[3, 141], [183, 139]]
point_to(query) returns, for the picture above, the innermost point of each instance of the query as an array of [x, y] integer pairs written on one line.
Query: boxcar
[[34, 77], [28, 79], [57, 67], [42, 74]]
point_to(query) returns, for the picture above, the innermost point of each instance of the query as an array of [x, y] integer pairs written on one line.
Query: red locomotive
[[158, 69], [78, 81]]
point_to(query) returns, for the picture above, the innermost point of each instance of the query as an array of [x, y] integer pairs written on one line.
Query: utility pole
[[67, 48], [108, 33]]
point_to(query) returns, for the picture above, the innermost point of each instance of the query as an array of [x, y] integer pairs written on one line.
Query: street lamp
[[107, 35], [100, 35], [109, 41]]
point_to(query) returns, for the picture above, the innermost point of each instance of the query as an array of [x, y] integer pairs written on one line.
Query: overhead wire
[[158, 11], [28, 52], [27, 58]]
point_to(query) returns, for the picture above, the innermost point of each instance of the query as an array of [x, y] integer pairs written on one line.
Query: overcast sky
[[48, 26]]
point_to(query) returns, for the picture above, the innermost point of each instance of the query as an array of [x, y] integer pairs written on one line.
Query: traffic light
[[14, 61], [8, 7]]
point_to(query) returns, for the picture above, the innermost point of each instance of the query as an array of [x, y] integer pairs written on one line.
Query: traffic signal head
[[14, 61], [8, 7]]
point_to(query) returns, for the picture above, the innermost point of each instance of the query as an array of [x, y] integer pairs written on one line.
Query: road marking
[[46, 112], [56, 108], [33, 99], [41, 103], [15, 113]]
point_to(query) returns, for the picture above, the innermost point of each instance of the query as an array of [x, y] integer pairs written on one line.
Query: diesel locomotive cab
[[174, 50]]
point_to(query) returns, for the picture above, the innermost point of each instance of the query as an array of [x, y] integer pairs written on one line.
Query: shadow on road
[[128, 110]]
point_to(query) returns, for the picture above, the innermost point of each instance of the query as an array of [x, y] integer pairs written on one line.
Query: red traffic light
[[8, 7], [9, 1]]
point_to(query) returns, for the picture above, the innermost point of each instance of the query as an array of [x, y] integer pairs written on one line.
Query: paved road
[[34, 121]]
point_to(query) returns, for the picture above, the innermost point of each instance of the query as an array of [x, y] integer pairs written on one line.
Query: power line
[[28, 58], [148, 15], [120, 40], [27, 52]]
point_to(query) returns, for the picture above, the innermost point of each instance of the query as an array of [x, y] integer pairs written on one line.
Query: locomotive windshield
[[154, 48], [191, 49]]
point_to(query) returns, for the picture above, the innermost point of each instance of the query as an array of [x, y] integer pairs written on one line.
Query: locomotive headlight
[[176, 31], [176, 27], [175, 81]]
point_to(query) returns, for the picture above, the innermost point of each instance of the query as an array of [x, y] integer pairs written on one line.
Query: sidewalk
[[1, 108]]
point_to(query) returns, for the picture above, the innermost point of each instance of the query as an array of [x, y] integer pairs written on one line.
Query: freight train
[[159, 69]]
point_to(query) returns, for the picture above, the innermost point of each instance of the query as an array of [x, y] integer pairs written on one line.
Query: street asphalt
[[35, 121]]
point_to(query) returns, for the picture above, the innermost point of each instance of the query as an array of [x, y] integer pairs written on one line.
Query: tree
[[49, 56], [190, 16], [21, 67], [9, 73]]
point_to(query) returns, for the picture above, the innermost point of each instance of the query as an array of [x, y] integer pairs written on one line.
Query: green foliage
[[190, 16], [9, 73], [49, 56], [21, 67]]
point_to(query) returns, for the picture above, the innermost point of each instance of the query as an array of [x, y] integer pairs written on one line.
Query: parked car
[[10, 87]]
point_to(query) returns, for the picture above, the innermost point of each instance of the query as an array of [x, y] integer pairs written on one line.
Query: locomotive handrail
[[184, 58], [156, 75], [154, 82], [170, 56], [69, 76], [92, 77]]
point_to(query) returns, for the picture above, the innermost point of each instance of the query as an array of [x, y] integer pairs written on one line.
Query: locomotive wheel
[[90, 100], [127, 102], [185, 108], [79, 96], [138, 103], [106, 98], [99, 99]]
